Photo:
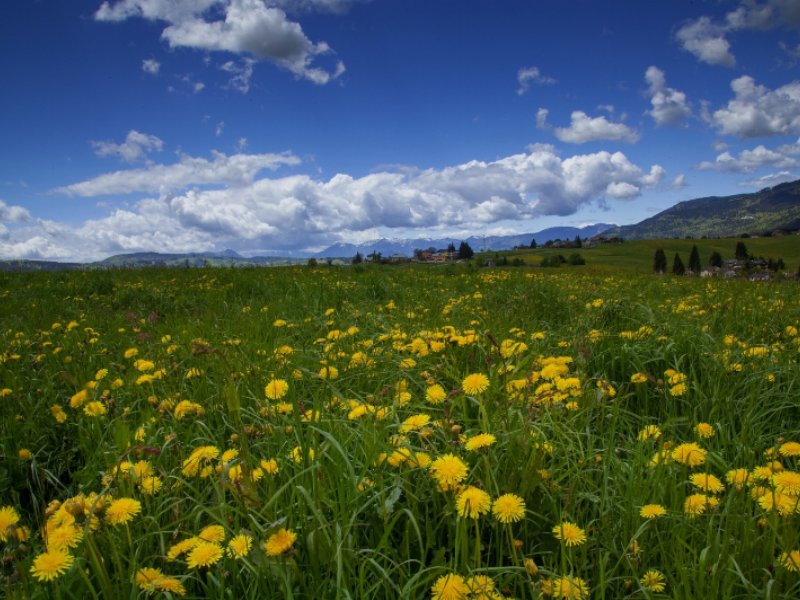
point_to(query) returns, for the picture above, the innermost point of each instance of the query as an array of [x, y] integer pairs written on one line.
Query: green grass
[[353, 481], [636, 256]]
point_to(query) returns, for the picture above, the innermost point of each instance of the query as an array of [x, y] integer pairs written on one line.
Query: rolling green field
[[410, 432], [636, 256]]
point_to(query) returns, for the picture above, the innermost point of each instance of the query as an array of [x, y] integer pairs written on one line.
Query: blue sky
[[284, 126]]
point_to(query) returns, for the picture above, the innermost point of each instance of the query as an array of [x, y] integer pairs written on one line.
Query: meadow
[[398, 432]]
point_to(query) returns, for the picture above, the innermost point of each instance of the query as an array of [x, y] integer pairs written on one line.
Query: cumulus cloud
[[707, 40], [135, 147], [151, 66], [234, 170], [584, 129], [751, 160], [528, 75], [669, 105], [757, 111], [541, 118], [679, 182], [300, 212], [256, 28], [13, 214]]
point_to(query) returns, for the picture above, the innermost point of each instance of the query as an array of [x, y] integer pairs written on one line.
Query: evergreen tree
[[694, 260], [464, 251], [677, 265], [659, 261], [741, 251], [578, 243], [451, 247], [715, 260], [358, 259], [533, 244]]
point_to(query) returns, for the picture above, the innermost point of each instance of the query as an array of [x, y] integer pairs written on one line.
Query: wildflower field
[[399, 432]]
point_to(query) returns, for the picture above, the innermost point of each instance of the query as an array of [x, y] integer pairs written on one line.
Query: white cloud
[[13, 214], [298, 211], [769, 180], [240, 74], [219, 128], [541, 118], [679, 182], [756, 111], [151, 66], [669, 105], [707, 40], [234, 170], [528, 75], [251, 27], [584, 129], [753, 159], [135, 147]]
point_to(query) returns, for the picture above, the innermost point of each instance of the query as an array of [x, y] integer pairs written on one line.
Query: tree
[[464, 251], [533, 244], [677, 265], [578, 243], [741, 251], [576, 259], [694, 260], [451, 248], [660, 261], [312, 262], [715, 260], [358, 259]]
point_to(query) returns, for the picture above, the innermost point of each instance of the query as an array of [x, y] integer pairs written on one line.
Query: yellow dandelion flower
[[203, 554], [171, 585], [151, 485], [122, 510], [450, 587], [9, 517], [689, 454], [472, 502], [78, 399], [696, 504], [570, 588], [653, 581], [652, 511], [639, 378], [415, 423], [448, 471], [788, 482], [649, 432], [707, 483], [212, 533], [475, 384], [508, 508], [329, 372], [51, 565], [738, 478], [239, 546], [95, 409], [147, 577], [131, 352], [705, 430], [481, 440], [276, 389], [280, 542], [270, 466], [790, 560], [481, 587], [569, 533], [181, 547], [64, 537], [790, 449]]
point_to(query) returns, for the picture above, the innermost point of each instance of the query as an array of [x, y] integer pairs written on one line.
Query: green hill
[[727, 216]]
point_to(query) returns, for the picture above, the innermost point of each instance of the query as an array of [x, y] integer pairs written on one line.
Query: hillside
[[723, 216]]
